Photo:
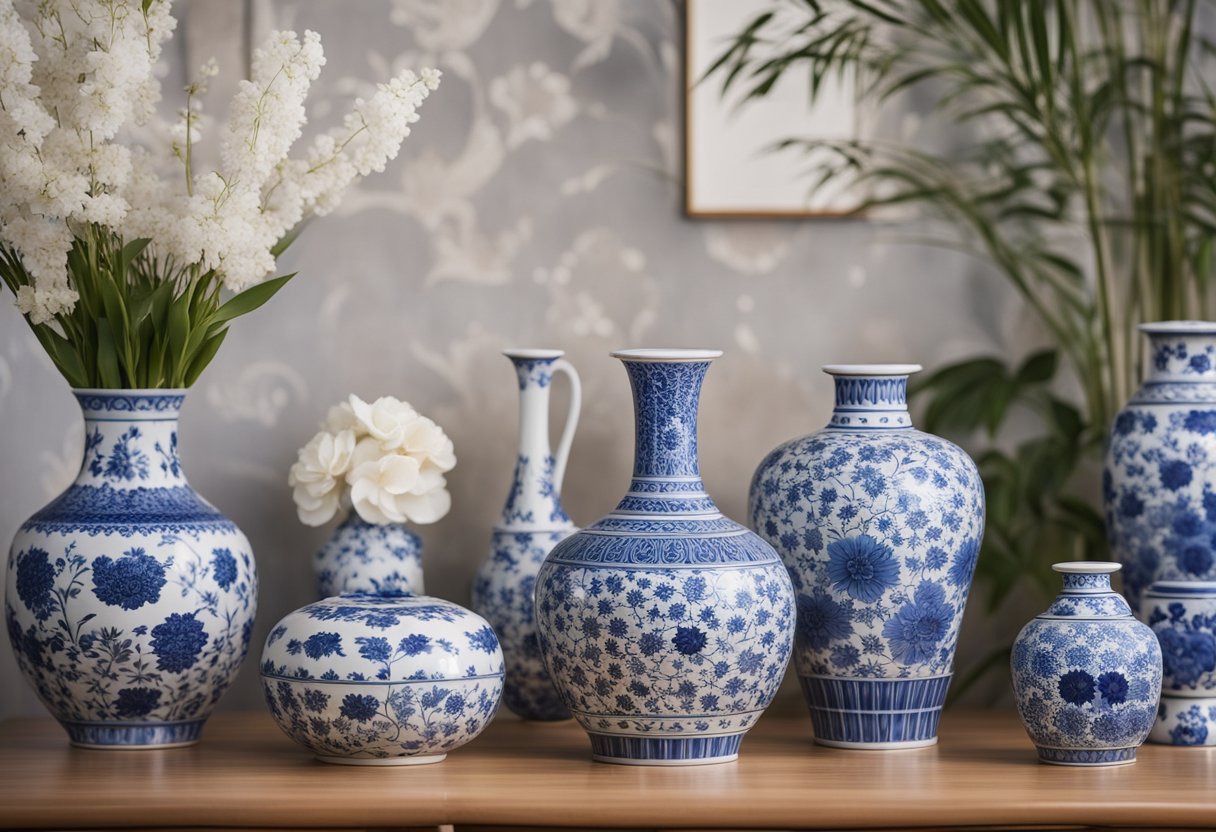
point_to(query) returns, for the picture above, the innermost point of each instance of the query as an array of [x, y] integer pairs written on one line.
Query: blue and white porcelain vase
[[880, 526], [1159, 484], [130, 599], [368, 557], [1183, 615], [533, 522], [666, 627], [1086, 673], [381, 680]]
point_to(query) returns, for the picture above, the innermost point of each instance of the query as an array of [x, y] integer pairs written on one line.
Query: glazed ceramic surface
[[880, 526], [1183, 615], [365, 557], [130, 599], [1086, 673], [666, 627], [382, 680], [1159, 484], [533, 522]]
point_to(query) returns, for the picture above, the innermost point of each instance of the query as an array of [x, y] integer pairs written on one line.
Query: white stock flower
[[316, 478]]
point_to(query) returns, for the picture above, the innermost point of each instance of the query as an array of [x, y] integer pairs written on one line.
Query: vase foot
[[422, 760], [878, 746], [133, 736], [875, 714], [665, 751], [1087, 757]]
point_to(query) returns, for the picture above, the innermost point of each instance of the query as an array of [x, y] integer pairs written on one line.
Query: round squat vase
[[1159, 482], [533, 522], [665, 626], [379, 680], [880, 526], [130, 599], [1086, 673], [365, 557], [1183, 615]]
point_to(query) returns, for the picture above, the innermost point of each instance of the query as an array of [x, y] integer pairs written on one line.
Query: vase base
[[133, 736], [424, 760], [665, 751], [1087, 757], [906, 745], [875, 714]]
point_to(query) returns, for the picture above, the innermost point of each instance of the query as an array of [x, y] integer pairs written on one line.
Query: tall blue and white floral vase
[[1086, 673], [382, 680], [1159, 483], [1183, 615], [666, 627], [880, 526], [130, 599], [368, 557], [533, 522]]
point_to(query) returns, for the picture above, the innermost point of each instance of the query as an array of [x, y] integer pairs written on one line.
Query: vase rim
[[655, 355], [1189, 587], [871, 369], [533, 353], [1178, 328], [130, 391], [1087, 567]]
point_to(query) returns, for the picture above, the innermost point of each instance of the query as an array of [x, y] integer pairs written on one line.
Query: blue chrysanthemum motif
[[360, 707], [178, 642], [223, 566], [133, 703], [129, 582], [862, 567], [35, 581]]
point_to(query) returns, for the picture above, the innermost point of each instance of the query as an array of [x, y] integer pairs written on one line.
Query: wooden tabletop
[[246, 774]]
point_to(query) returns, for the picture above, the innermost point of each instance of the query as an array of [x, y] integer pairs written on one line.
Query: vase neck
[[1086, 583], [1087, 593], [666, 395], [1181, 351], [130, 438], [871, 396], [534, 500]]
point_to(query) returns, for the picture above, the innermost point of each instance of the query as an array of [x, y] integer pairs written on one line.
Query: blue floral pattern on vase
[[365, 557], [1183, 615], [533, 522], [1159, 481], [1086, 673], [666, 627], [130, 600], [382, 679], [880, 526]]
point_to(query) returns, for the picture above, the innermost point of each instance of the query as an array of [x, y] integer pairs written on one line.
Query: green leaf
[[249, 300], [287, 239], [1039, 367], [107, 356], [206, 353]]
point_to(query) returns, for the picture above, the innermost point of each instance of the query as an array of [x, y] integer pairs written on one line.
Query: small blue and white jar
[[368, 557], [1086, 673], [1183, 615], [379, 680], [130, 599]]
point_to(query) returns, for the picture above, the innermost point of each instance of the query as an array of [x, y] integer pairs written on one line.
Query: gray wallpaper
[[537, 204]]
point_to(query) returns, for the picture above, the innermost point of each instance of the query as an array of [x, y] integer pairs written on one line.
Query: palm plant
[[1087, 176]]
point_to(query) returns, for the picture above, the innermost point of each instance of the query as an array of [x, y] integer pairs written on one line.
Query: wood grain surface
[[245, 774]]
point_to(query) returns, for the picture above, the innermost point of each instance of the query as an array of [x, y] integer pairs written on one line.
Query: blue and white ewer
[[665, 626], [533, 522], [880, 526], [130, 599], [1159, 484]]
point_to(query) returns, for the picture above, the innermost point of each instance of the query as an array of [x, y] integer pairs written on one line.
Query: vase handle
[[576, 404]]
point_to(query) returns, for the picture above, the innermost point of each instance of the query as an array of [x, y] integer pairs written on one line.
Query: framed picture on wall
[[731, 170]]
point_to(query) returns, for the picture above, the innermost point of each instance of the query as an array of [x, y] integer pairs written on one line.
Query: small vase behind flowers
[[384, 463]]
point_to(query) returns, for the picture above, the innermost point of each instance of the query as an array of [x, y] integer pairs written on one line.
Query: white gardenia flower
[[395, 487], [387, 420], [427, 441], [342, 417], [316, 477]]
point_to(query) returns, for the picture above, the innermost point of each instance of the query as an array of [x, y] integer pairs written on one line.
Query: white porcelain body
[[366, 557], [880, 527], [130, 599], [1159, 482], [1183, 615], [382, 680], [533, 521], [1086, 673]]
